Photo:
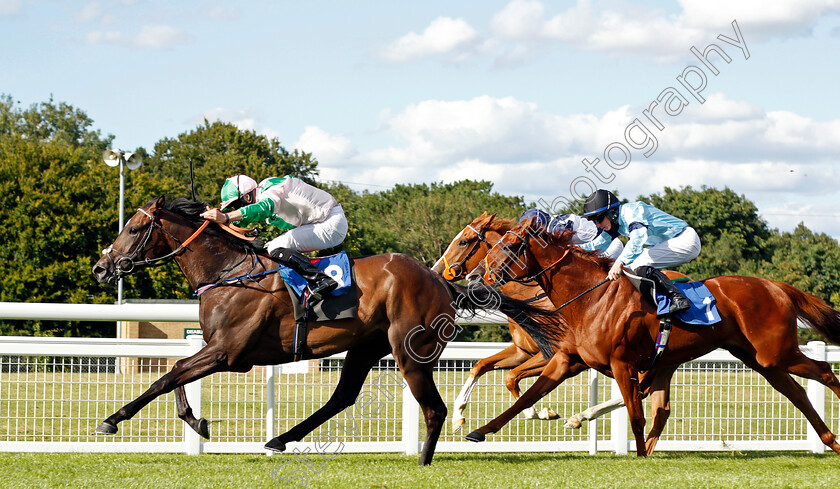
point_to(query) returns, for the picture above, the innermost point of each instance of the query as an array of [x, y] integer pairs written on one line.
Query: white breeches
[[676, 251], [316, 236]]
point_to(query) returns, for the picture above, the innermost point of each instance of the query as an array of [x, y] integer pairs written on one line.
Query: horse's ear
[[158, 203], [492, 216]]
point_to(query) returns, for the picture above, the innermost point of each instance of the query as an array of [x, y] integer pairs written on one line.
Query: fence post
[[618, 431], [593, 401], [816, 394], [270, 428], [192, 440], [410, 422]]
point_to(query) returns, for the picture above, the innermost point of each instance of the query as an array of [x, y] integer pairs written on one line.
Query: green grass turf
[[475, 470]]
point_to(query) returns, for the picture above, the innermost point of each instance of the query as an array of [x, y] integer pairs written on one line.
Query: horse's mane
[[192, 209], [564, 240], [501, 224]]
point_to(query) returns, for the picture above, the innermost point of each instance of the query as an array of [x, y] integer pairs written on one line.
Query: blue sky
[[516, 92]]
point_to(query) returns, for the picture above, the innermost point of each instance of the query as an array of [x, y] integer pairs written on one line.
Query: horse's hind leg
[[357, 363], [784, 383], [185, 412], [809, 368]]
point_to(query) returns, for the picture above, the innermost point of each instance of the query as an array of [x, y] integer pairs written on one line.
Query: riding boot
[[319, 282], [678, 301]]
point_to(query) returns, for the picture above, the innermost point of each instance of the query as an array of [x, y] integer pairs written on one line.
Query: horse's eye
[[463, 242], [133, 230]]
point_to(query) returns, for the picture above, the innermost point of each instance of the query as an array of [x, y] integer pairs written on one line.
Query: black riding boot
[[319, 282], [664, 284]]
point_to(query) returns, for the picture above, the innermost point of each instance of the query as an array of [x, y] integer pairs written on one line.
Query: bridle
[[490, 277], [128, 263], [449, 272], [523, 249]]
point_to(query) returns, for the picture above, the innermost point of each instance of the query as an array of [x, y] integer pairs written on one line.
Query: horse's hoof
[[204, 428], [106, 428], [529, 413], [457, 424], [275, 445], [476, 436], [547, 414], [572, 423]]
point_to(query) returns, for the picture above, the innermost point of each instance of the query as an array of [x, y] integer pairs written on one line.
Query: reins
[[489, 278]]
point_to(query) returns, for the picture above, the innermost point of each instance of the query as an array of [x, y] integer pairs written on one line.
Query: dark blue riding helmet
[[602, 203], [541, 218]]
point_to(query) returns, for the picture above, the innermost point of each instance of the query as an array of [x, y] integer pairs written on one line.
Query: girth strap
[[661, 340]]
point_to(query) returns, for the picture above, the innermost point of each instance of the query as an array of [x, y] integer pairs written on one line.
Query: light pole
[[115, 157]]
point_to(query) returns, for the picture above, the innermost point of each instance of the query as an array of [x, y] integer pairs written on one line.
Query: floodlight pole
[[119, 230]]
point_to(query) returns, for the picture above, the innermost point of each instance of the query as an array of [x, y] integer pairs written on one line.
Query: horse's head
[[470, 246], [516, 256], [141, 243]]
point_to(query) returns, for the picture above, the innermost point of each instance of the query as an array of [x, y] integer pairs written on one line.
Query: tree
[[734, 237], [421, 219], [53, 194]]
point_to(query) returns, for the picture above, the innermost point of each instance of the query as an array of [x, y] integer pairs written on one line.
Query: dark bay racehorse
[[252, 323], [613, 330]]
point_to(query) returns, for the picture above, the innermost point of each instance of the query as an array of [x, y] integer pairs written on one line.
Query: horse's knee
[[512, 382]]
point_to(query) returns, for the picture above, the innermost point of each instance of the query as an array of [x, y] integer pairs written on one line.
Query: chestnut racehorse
[[251, 322], [463, 254], [613, 330]]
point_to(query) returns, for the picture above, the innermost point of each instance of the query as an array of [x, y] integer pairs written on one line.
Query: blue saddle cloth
[[336, 266], [703, 310]]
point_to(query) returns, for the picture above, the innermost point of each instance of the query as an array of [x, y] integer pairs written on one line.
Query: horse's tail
[[812, 310], [545, 328]]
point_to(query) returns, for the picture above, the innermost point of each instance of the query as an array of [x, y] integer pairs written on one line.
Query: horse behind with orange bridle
[[613, 330]]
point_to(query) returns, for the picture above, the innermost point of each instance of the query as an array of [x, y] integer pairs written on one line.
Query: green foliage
[[420, 219], [734, 238], [52, 196], [60, 203]]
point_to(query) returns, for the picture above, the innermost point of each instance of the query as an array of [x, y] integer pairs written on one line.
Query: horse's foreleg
[[185, 412], [508, 358], [357, 363], [558, 369], [422, 384], [660, 392], [531, 368], [208, 360], [627, 379]]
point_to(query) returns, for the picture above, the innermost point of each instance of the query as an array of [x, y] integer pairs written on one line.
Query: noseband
[[450, 272], [523, 251], [127, 263]]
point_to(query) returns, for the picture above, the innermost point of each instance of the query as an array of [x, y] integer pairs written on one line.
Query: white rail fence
[[55, 391]]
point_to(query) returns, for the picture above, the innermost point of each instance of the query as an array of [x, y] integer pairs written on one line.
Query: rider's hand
[[616, 271], [215, 215]]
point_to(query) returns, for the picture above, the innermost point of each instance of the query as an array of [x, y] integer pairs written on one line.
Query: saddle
[[341, 303], [703, 310]]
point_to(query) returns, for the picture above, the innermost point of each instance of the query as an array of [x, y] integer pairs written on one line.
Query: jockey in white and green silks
[[312, 218]]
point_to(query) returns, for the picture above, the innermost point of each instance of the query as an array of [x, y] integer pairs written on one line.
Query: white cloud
[[157, 37], [616, 28], [450, 38], [90, 12], [328, 149], [10, 8]]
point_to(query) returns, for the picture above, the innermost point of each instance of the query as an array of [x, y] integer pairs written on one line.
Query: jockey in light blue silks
[[656, 240], [587, 235]]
